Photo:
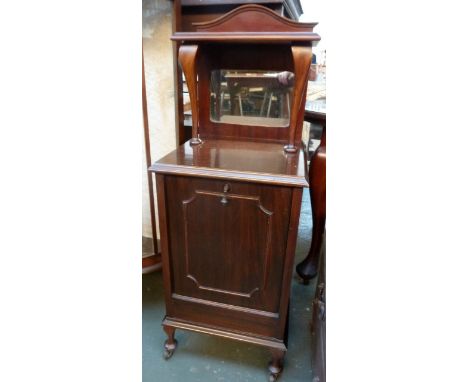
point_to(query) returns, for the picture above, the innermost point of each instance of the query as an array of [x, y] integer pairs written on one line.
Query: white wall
[[157, 46], [315, 11]]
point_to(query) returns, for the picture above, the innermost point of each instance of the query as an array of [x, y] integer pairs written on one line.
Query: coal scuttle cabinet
[[229, 199]]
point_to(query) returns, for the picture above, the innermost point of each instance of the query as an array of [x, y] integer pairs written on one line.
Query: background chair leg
[[307, 269]]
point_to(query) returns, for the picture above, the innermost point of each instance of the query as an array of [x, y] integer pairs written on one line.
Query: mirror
[[251, 97]]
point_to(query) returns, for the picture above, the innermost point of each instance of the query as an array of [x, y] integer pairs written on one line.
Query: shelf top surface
[[237, 160]]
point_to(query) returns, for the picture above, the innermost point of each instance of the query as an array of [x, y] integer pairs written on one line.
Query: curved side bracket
[[302, 58], [187, 60]]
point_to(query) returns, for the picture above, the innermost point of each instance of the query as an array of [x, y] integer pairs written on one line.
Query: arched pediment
[[250, 23], [253, 18]]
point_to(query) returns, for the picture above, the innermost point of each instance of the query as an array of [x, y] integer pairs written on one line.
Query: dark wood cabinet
[[231, 240], [189, 12], [230, 257], [228, 238], [229, 199]]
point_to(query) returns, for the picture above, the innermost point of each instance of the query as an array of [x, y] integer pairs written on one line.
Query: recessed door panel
[[228, 242]]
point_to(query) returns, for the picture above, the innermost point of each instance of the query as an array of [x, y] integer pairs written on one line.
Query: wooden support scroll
[[187, 59], [302, 57]]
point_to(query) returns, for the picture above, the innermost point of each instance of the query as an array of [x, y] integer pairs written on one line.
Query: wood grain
[[257, 162], [229, 206], [250, 18], [187, 59], [302, 57], [243, 337]]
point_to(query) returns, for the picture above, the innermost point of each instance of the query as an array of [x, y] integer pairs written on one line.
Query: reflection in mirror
[[250, 97]]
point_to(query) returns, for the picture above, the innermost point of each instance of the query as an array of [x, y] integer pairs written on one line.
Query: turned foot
[[273, 377], [171, 343], [169, 349], [276, 365], [307, 269]]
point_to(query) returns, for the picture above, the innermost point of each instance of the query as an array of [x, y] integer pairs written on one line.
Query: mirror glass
[[251, 97]]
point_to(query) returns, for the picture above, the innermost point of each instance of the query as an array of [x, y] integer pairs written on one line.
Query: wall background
[[315, 11], [157, 47]]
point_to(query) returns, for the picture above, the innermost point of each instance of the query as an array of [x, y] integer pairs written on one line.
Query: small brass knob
[[226, 189]]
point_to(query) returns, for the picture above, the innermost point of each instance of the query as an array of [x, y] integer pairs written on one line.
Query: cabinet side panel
[[289, 262], [163, 227]]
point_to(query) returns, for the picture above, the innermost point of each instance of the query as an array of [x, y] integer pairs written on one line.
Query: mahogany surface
[[229, 199], [252, 37], [230, 266], [239, 160], [187, 59], [186, 13], [193, 11], [227, 267]]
